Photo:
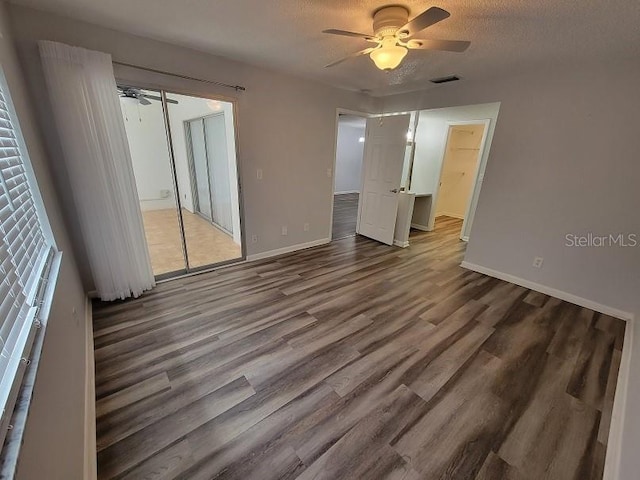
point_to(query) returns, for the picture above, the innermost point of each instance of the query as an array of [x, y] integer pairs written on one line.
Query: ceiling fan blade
[[446, 45], [143, 101], [425, 19], [154, 97], [345, 33], [366, 51]]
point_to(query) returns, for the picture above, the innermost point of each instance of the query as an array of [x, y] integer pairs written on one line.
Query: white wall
[[406, 166], [458, 170], [348, 177], [286, 125], [564, 160], [408, 153], [54, 439], [233, 169], [144, 125]]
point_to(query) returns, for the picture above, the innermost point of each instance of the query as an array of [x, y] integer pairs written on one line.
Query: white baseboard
[[452, 215], [90, 451], [614, 442], [400, 244], [568, 297], [289, 249], [424, 228], [345, 192]]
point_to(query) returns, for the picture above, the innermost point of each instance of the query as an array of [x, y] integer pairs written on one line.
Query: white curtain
[[86, 108]]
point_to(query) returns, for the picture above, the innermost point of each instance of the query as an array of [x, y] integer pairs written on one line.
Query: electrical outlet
[[259, 173], [254, 238], [329, 172], [537, 262], [306, 227], [284, 231]]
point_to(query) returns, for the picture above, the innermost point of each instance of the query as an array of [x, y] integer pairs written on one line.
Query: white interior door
[[384, 149]]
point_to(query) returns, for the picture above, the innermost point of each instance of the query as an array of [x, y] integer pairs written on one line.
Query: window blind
[[25, 253]]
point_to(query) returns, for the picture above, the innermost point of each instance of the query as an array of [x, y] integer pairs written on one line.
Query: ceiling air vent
[[450, 78]]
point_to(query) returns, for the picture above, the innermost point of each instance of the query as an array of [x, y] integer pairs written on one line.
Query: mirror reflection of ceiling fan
[[393, 32], [142, 98]]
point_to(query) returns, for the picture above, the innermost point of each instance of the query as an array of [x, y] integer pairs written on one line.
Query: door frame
[[478, 176], [167, 89], [344, 111]]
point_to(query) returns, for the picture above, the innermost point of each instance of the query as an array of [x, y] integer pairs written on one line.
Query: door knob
[[395, 190]]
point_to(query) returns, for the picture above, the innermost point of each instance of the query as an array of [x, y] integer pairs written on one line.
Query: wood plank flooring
[[345, 215], [354, 360]]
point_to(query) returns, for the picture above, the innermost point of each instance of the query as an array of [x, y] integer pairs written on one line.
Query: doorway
[[183, 151], [373, 157], [458, 174], [431, 138], [348, 174]]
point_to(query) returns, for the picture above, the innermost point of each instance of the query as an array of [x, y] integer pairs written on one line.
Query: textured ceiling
[[506, 35]]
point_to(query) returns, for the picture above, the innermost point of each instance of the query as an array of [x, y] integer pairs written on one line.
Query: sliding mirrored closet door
[[210, 170], [200, 169], [215, 135], [184, 158]]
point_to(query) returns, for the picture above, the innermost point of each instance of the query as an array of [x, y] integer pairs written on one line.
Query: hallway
[[345, 215]]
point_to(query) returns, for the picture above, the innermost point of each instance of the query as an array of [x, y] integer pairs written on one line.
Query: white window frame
[[41, 293]]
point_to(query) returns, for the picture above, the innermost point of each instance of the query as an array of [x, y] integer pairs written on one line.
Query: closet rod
[[237, 88]]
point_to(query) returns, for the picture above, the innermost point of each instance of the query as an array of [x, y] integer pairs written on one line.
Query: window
[[26, 255]]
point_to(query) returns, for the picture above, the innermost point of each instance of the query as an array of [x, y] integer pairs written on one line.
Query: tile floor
[[206, 244]]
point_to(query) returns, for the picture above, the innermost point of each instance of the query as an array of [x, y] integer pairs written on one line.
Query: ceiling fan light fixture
[[389, 55], [394, 32]]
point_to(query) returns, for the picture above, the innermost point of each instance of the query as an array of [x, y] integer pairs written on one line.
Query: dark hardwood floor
[[345, 215], [354, 360]]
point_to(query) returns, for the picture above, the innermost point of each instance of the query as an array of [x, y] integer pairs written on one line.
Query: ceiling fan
[[393, 32], [142, 98]]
